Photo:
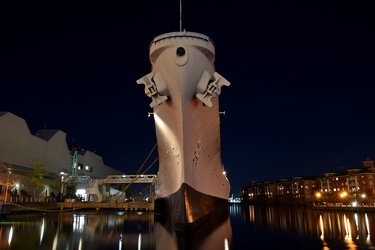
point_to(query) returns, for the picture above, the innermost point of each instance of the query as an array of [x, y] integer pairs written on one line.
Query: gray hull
[[184, 89]]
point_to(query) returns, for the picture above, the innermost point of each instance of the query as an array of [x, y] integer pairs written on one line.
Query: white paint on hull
[[187, 129]]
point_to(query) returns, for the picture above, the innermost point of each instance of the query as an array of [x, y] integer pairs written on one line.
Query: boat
[[184, 88]]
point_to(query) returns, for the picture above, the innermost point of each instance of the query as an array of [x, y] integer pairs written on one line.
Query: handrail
[[130, 179]]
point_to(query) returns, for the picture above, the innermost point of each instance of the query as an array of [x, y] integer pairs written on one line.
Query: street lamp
[[318, 195], [343, 195], [63, 173]]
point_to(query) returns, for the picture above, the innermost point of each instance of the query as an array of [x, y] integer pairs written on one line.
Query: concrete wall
[[18, 147]]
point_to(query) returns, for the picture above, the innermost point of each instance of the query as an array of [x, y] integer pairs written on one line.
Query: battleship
[[184, 89]]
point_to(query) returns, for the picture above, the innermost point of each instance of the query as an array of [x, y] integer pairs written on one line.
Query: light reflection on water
[[306, 228], [246, 227], [109, 230]]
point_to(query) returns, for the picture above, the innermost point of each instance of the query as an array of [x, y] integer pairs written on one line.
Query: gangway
[[112, 179], [79, 179]]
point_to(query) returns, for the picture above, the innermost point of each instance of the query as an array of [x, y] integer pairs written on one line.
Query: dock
[[72, 205], [346, 207], [127, 206]]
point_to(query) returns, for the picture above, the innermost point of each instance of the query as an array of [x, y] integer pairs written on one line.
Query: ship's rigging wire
[[123, 190]]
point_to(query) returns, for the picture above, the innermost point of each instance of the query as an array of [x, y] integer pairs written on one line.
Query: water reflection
[[215, 233], [109, 230], [242, 227], [334, 229]]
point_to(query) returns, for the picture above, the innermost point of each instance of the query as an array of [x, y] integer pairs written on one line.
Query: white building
[[19, 149]]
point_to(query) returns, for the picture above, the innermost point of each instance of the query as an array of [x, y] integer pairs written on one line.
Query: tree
[[70, 187], [37, 175], [55, 184]]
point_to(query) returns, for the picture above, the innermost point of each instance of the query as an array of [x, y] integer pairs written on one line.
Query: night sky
[[301, 100]]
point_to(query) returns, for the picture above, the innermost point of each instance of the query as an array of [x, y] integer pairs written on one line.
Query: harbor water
[[243, 227]]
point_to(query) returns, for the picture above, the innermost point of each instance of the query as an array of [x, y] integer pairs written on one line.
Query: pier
[[72, 205], [355, 207], [99, 200], [127, 206]]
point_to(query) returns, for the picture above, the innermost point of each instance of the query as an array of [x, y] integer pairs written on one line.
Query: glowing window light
[[81, 192], [343, 194]]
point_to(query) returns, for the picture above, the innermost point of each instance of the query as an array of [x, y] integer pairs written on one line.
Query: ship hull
[[184, 88], [188, 208]]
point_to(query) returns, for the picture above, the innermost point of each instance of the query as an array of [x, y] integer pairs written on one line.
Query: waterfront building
[[352, 185], [287, 191], [20, 150], [331, 184], [303, 188], [284, 194], [356, 185], [261, 193]]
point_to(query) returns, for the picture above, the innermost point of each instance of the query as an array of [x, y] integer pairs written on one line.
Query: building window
[[88, 169]]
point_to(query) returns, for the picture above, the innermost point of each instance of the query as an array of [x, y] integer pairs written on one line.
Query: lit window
[[88, 169]]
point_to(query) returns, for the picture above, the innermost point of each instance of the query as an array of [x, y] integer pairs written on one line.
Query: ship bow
[[189, 208]]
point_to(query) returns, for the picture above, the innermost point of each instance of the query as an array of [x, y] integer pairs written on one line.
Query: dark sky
[[301, 100]]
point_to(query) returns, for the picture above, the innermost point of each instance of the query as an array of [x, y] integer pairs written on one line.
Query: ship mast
[[180, 15]]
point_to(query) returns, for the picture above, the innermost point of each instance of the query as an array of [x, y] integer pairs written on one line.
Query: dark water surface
[[244, 227]]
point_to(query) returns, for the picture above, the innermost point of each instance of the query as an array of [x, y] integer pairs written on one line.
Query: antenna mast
[[180, 15]]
